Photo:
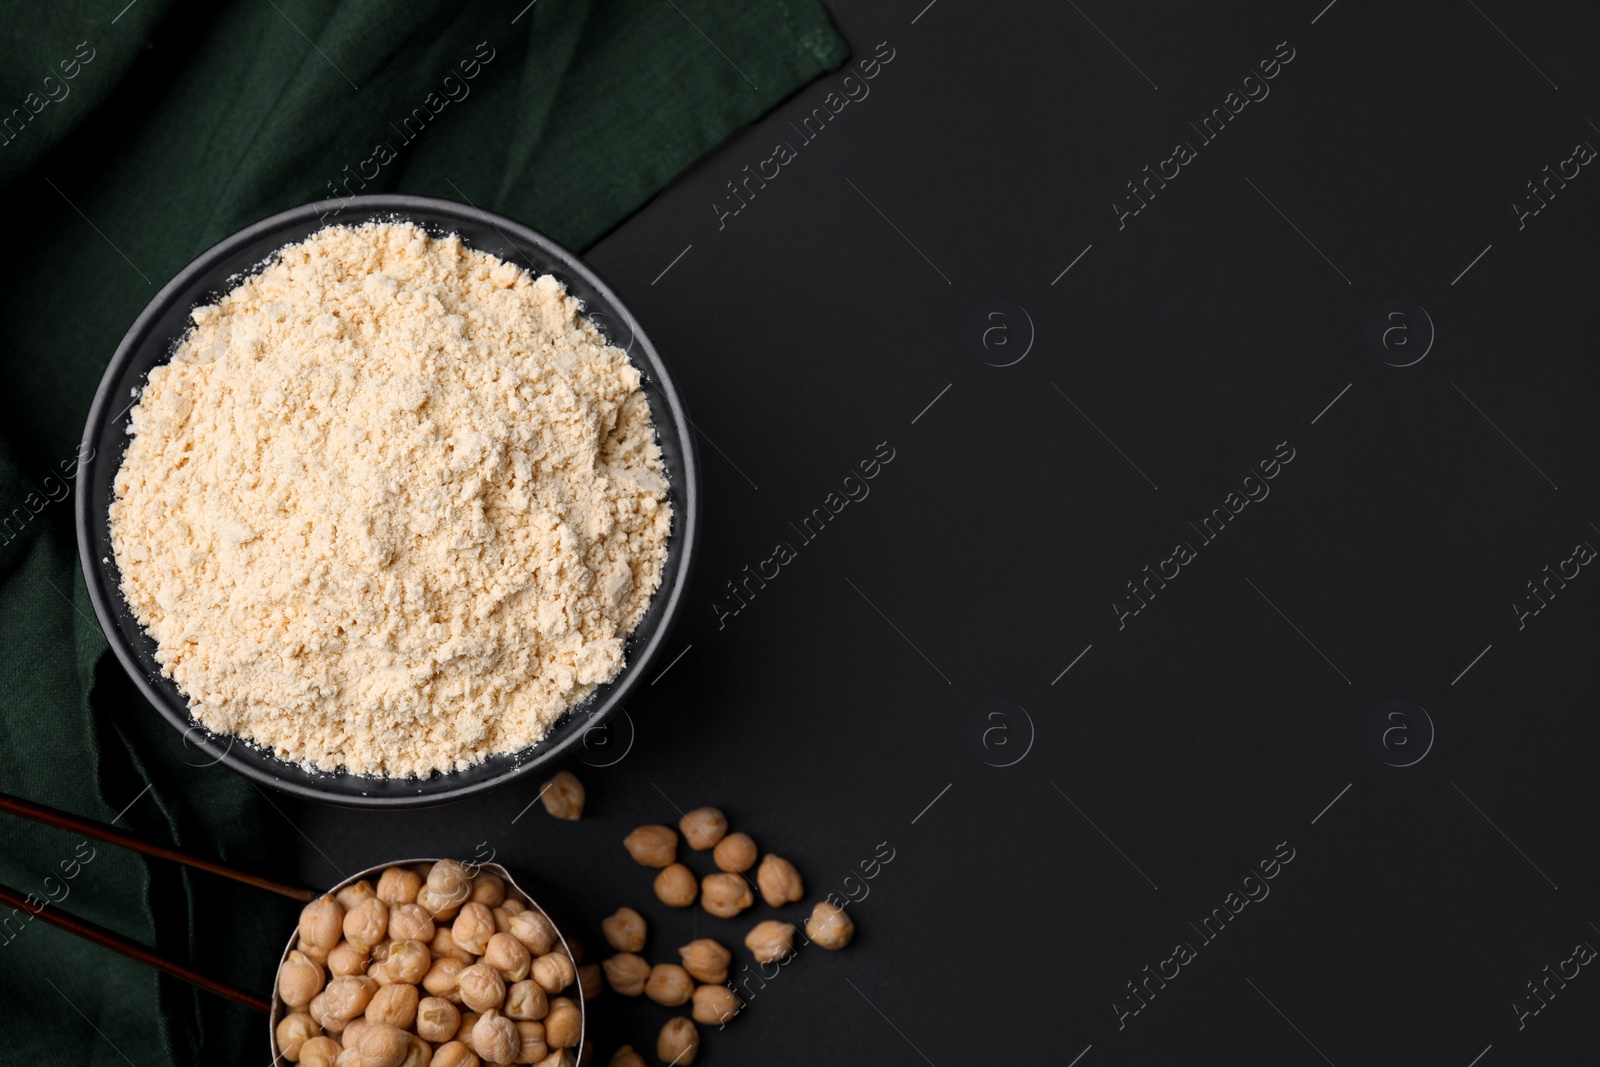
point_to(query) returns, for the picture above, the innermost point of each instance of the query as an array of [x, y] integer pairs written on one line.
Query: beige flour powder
[[393, 505]]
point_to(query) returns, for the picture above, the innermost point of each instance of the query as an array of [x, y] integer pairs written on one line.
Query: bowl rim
[[432, 213]]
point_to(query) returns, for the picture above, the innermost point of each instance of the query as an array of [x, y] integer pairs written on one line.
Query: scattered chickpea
[[393, 1005], [770, 941], [443, 978], [408, 962], [675, 886], [703, 828], [735, 853], [299, 979], [715, 1005], [652, 846], [625, 930], [508, 956], [437, 1019], [533, 930], [725, 895], [320, 924], [473, 927], [353, 894], [779, 881], [346, 959], [396, 885], [481, 988], [590, 984], [495, 1038], [320, 1052], [679, 1042], [626, 1057], [454, 1054], [293, 1031], [706, 960], [526, 1001], [553, 971], [564, 1025], [829, 927], [627, 973], [410, 922], [563, 796], [669, 985], [382, 1046], [532, 1042], [488, 888]]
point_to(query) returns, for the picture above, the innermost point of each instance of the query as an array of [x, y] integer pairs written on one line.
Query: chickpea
[[353, 894], [715, 1005], [624, 930], [495, 1038], [481, 988], [437, 1019], [725, 895], [393, 1005], [770, 941], [675, 886], [473, 927], [382, 1046], [512, 904], [299, 979], [706, 960], [469, 1019], [443, 978], [410, 922], [350, 1057], [679, 1042], [652, 846], [563, 796], [669, 985], [320, 923], [829, 927], [348, 996], [626, 1057], [502, 920], [735, 853], [590, 984], [454, 1054], [560, 1057], [533, 929], [418, 1052], [396, 885], [627, 973], [408, 962], [346, 959], [703, 828], [318, 1010], [320, 1052], [779, 881], [508, 956], [367, 923], [443, 946], [450, 881], [526, 1002], [488, 888], [553, 971], [563, 1027], [293, 1031], [351, 1037], [437, 904], [531, 1035]]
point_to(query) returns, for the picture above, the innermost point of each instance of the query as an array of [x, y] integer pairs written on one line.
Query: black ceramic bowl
[[151, 341]]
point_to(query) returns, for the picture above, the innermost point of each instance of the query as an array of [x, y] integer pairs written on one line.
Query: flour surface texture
[[393, 506]]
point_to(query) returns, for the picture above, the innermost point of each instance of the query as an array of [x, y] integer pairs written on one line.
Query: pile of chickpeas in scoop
[[436, 966]]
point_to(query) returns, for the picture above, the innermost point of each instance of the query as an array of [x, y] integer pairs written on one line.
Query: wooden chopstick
[[101, 832], [115, 941]]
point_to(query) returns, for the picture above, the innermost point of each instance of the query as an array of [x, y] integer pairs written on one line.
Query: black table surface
[[1205, 673]]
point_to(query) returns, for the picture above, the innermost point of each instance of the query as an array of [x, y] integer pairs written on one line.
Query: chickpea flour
[[393, 506]]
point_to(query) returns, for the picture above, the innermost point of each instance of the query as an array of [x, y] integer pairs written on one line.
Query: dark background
[[1145, 783]]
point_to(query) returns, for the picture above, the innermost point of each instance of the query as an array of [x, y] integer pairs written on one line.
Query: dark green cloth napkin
[[131, 139]]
